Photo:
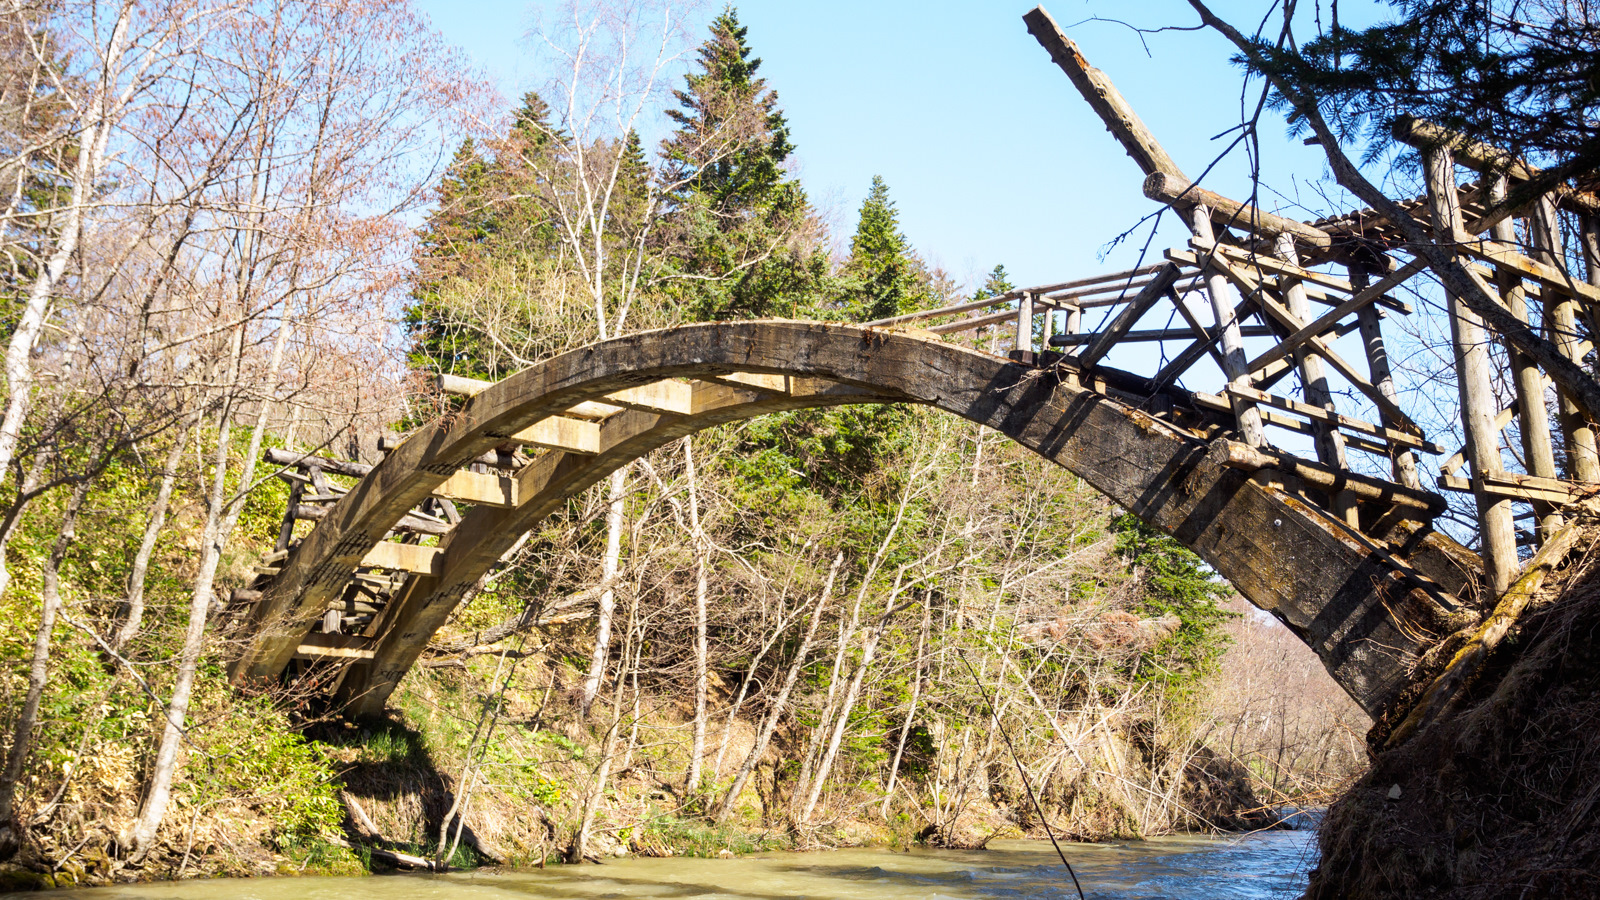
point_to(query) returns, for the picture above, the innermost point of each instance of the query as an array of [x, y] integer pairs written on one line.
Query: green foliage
[[734, 233], [1524, 78], [244, 749], [1177, 583], [884, 278], [691, 837]]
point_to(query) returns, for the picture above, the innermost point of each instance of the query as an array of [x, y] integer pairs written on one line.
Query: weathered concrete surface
[[1367, 607]]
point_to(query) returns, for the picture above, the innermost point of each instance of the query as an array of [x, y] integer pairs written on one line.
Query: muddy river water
[[1255, 867]]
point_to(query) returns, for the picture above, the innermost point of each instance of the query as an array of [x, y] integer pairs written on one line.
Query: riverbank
[[1498, 797]]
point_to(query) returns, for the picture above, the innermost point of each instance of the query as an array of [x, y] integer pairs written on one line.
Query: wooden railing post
[[1235, 365], [1478, 404], [1533, 417], [1025, 322], [1561, 322]]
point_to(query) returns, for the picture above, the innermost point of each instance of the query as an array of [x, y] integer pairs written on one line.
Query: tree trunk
[[38, 671], [698, 745], [134, 605], [608, 599], [85, 181], [770, 723], [869, 649], [911, 713]]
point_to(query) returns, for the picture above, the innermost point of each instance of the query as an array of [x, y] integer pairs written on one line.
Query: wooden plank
[[1343, 421], [460, 385], [562, 433], [1323, 322], [1130, 314], [1146, 336], [1225, 315], [667, 397], [476, 487], [761, 381], [405, 558], [319, 646], [1489, 160], [973, 323], [1508, 486], [1506, 256], [1177, 192]]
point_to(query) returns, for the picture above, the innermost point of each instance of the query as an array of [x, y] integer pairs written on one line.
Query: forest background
[[802, 630]]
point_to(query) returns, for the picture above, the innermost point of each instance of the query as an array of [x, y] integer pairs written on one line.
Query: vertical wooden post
[[1234, 365], [1049, 329], [1533, 418], [1074, 325], [1478, 404], [1402, 461], [1314, 378], [1561, 322], [1025, 322]]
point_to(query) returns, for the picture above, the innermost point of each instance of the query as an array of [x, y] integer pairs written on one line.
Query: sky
[[990, 154]]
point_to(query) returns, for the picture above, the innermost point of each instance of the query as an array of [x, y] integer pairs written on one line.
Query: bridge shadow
[[392, 764]]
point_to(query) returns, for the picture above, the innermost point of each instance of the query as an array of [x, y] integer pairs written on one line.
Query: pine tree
[[885, 279], [739, 235], [997, 283]]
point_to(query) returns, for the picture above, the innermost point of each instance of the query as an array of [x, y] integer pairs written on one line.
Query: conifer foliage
[[885, 279]]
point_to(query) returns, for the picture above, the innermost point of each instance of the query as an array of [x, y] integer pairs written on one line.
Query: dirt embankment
[[1500, 798]]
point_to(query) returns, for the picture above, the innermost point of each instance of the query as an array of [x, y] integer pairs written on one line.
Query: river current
[[1253, 867]]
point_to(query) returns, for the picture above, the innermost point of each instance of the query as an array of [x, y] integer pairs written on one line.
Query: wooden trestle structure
[[1349, 561]]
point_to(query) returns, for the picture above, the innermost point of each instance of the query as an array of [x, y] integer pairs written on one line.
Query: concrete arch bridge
[[1368, 586]]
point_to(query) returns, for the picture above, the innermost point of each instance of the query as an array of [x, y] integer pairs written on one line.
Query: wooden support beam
[[1459, 458], [345, 648], [1234, 364], [1506, 256], [1314, 382], [1538, 446], [1402, 462], [1561, 326], [1177, 192], [1478, 404], [1251, 287], [475, 487], [1491, 161], [1101, 95], [1322, 323], [1276, 266], [1515, 487], [405, 558], [1130, 314], [411, 524], [1394, 436], [1025, 322], [562, 433], [1242, 456]]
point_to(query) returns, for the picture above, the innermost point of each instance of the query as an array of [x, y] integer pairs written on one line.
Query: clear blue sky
[[989, 152]]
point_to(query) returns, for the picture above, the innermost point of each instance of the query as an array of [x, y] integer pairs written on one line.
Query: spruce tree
[[884, 277], [738, 233]]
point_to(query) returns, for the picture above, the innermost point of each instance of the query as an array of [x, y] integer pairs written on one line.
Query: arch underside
[[1367, 603]]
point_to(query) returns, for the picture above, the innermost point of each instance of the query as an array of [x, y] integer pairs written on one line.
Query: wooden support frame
[[1393, 436], [1358, 299], [475, 487], [1177, 192], [561, 433], [1130, 314]]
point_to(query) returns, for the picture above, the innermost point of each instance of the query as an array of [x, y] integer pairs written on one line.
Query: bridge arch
[[1367, 604]]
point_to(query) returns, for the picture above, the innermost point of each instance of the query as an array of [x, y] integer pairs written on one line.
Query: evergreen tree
[[738, 238], [998, 282], [885, 280]]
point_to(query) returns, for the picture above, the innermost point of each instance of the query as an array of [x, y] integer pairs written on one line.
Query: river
[[1254, 867]]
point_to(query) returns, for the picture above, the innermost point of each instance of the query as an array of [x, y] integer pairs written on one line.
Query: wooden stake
[[1478, 404], [1025, 322]]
